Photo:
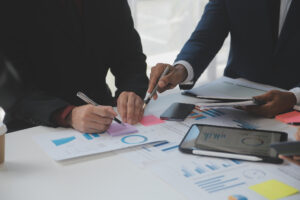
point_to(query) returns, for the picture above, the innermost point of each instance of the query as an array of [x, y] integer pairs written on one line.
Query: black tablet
[[234, 143], [291, 148]]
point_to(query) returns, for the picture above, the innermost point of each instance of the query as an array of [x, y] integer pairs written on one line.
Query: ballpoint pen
[[147, 100], [90, 101]]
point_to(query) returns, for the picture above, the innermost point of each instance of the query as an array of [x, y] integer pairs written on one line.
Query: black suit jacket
[[59, 51], [254, 54]]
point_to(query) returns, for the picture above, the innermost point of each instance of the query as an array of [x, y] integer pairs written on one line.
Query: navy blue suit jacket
[[253, 53]]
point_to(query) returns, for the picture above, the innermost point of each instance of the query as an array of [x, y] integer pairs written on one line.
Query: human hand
[[130, 107], [293, 159], [91, 119], [276, 102], [175, 76]]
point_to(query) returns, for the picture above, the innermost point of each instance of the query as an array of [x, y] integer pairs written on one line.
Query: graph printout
[[68, 143], [207, 177]]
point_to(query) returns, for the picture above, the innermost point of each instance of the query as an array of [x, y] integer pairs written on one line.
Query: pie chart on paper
[[237, 197]]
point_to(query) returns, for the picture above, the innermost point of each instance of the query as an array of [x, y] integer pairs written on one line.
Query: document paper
[[68, 143]]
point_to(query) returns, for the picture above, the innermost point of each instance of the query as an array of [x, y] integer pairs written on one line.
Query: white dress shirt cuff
[[296, 92], [190, 71]]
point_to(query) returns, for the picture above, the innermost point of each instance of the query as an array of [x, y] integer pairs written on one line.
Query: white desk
[[30, 174]]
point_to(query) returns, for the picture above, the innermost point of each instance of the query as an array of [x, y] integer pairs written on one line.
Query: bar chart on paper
[[195, 168], [62, 141], [218, 183], [68, 143], [198, 114], [91, 136], [202, 175]]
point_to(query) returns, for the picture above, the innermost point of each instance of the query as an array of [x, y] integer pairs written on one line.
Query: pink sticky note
[[151, 120], [116, 129], [293, 116]]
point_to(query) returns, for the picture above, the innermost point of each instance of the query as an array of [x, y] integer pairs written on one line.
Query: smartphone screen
[[177, 112], [232, 140]]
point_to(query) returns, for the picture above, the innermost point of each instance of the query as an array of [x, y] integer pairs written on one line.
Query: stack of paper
[[213, 101]]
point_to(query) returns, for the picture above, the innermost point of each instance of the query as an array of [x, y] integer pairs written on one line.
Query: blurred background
[[164, 26]]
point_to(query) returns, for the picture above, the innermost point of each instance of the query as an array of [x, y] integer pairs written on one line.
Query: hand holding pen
[[164, 77], [91, 119], [86, 99]]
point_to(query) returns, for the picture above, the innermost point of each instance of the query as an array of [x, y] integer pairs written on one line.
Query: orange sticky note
[[293, 116], [151, 120]]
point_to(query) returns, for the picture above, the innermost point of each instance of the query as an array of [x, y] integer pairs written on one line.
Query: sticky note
[[151, 120], [274, 189], [293, 116], [116, 129]]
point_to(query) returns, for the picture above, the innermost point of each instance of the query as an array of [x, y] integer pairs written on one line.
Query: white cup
[[2, 142]]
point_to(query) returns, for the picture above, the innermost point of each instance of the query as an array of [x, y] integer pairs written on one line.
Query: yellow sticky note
[[274, 189]]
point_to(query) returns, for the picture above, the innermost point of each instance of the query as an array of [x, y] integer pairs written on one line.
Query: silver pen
[[86, 99], [147, 100]]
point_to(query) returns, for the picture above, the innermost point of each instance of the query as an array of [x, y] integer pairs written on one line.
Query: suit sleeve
[[207, 38], [32, 105], [128, 65], [38, 108]]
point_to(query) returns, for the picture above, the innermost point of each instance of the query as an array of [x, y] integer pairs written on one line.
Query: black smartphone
[[291, 148], [234, 143], [177, 112]]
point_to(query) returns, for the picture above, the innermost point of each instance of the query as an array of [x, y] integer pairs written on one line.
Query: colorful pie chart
[[237, 197]]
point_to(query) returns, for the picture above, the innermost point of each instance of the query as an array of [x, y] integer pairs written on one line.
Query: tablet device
[[287, 148], [177, 112], [234, 143]]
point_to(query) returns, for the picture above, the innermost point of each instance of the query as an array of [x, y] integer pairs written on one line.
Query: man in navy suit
[[60, 47], [265, 46]]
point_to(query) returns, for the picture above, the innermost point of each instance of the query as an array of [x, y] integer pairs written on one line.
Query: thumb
[[165, 81], [264, 98]]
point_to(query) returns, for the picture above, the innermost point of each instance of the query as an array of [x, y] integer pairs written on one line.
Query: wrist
[[69, 117], [293, 98], [62, 117], [181, 71]]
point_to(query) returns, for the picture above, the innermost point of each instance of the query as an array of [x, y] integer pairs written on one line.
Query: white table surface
[[29, 173]]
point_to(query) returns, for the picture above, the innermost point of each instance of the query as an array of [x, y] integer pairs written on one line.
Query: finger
[[105, 111], [166, 80], [96, 126], [154, 76], [100, 120], [97, 119], [265, 97], [131, 108], [296, 158], [91, 130], [141, 115], [289, 159], [298, 135], [138, 111], [91, 127], [155, 96], [122, 107], [285, 157], [265, 110]]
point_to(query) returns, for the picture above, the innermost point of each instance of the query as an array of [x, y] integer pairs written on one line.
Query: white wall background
[[164, 27]]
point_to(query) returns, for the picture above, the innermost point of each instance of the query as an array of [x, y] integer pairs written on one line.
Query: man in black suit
[[60, 47]]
